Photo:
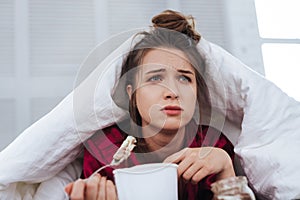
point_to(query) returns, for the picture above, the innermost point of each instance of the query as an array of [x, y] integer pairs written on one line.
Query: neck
[[164, 142]]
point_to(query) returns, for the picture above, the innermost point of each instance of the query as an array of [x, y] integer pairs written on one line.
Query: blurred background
[[43, 42]]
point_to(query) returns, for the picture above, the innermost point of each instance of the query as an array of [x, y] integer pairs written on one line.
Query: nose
[[172, 96], [171, 92]]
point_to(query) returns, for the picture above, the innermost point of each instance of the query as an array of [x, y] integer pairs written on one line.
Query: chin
[[173, 126], [170, 124]]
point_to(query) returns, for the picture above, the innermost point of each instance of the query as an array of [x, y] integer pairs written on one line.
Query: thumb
[[176, 157], [68, 188]]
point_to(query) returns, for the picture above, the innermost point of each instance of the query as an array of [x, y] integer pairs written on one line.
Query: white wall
[[44, 42]]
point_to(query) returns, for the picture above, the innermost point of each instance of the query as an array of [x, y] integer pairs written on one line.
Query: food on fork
[[124, 151]]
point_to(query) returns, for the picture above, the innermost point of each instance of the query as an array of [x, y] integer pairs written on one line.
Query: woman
[[166, 92]]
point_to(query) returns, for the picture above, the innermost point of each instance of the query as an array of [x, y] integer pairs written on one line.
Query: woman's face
[[165, 90]]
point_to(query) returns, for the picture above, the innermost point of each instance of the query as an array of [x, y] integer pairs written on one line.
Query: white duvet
[[261, 120]]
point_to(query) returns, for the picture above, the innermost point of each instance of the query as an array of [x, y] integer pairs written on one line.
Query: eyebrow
[[163, 70], [156, 71], [185, 71]]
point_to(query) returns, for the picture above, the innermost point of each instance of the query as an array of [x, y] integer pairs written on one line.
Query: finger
[[77, 192], [111, 192], [191, 171], [200, 174], [176, 157], [92, 187], [68, 188], [102, 189], [184, 165]]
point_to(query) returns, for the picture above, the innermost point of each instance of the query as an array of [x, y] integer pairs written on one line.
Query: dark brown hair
[[173, 30], [176, 21]]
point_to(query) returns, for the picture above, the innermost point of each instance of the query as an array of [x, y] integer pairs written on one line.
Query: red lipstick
[[172, 110]]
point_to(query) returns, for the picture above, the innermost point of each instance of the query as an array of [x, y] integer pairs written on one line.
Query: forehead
[[167, 57]]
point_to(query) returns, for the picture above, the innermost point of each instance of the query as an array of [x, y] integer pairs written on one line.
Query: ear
[[129, 91]]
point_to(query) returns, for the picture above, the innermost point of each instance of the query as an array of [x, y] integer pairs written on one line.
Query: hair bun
[[178, 22]]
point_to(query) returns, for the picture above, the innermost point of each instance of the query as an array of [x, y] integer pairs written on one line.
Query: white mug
[[148, 182]]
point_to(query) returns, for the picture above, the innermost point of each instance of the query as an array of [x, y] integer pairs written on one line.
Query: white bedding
[[257, 116]]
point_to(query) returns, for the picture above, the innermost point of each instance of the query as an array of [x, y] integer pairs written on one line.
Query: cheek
[[143, 102], [190, 99], [192, 103], [189, 93], [148, 101]]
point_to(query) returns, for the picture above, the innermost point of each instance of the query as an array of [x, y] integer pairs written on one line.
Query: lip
[[172, 110]]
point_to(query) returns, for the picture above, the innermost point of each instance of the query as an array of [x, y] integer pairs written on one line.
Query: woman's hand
[[94, 188], [196, 163]]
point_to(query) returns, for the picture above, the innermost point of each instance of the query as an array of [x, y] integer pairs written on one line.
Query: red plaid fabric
[[100, 148]]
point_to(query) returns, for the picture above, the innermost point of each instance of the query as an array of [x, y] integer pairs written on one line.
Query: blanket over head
[[260, 120]]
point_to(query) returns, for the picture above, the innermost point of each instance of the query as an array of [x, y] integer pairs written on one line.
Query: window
[[280, 34]]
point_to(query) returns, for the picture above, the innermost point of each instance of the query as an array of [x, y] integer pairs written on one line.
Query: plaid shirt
[[100, 148]]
